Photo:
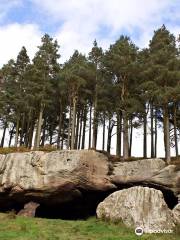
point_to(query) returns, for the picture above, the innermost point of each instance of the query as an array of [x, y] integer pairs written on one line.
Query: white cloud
[[82, 21], [14, 36]]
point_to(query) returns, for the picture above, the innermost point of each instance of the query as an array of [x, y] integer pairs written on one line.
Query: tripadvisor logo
[[139, 231]]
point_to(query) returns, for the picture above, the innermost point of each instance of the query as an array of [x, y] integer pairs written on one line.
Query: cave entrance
[[81, 208], [85, 206]]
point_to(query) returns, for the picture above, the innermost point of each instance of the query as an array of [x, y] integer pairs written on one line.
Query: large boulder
[[134, 171], [176, 213], [137, 207], [59, 175], [150, 172], [29, 210], [69, 175]]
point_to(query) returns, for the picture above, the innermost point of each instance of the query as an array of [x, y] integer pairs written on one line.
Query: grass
[[6, 150], [21, 228]]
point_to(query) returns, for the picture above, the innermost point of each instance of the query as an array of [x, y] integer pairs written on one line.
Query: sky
[[76, 23]]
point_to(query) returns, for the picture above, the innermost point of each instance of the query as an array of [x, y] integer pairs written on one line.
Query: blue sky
[[76, 23]]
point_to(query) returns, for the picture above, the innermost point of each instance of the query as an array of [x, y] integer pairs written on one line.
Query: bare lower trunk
[[152, 132], [95, 129], [155, 137], [39, 125], [3, 136], [84, 128], [22, 130], [130, 137], [43, 138], [59, 129], [11, 135], [145, 136], [69, 129], [80, 129], [90, 123], [77, 130], [31, 131], [119, 133], [125, 136], [109, 136], [17, 132], [73, 123], [62, 137], [104, 129], [166, 134], [175, 129]]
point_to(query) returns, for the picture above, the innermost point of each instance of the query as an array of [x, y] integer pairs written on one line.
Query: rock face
[[53, 177], [69, 175], [147, 171], [29, 210], [137, 207], [176, 213]]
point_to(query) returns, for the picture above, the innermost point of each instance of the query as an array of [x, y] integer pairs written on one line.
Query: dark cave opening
[[86, 206], [79, 208]]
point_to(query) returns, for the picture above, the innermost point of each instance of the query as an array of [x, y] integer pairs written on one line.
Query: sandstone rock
[[136, 171], [176, 213], [57, 175], [168, 177], [62, 176], [153, 172], [137, 207], [29, 210]]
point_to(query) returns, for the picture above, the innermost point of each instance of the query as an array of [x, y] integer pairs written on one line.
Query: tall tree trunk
[[77, 130], [31, 131], [4, 133], [90, 125], [50, 134], [152, 130], [62, 137], [39, 125], [166, 134], [43, 138], [95, 120], [17, 131], [11, 135], [69, 128], [130, 137], [125, 136], [73, 122], [119, 133], [109, 136], [22, 129], [84, 128], [80, 129], [26, 138], [175, 129], [104, 129], [155, 137], [145, 135], [59, 126]]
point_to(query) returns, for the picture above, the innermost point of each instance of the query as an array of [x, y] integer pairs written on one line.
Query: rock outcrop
[[29, 210], [176, 213], [137, 207], [68, 175], [54, 177], [147, 171]]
